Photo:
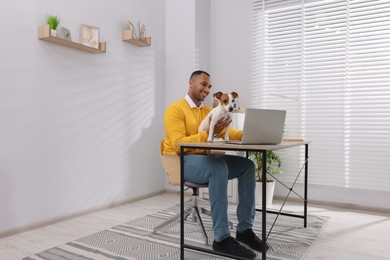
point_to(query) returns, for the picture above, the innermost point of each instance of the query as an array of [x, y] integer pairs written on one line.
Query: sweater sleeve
[[176, 130], [235, 134]]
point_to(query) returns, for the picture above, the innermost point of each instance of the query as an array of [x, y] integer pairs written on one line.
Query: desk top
[[242, 147]]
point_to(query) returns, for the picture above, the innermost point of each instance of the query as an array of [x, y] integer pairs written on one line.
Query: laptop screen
[[263, 126]]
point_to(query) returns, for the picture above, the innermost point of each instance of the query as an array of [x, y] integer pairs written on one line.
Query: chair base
[[194, 211]]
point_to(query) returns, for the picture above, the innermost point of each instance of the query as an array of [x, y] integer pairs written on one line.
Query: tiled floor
[[347, 235]]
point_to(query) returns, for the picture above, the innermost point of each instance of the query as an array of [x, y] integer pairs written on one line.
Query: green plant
[[273, 163], [53, 21]]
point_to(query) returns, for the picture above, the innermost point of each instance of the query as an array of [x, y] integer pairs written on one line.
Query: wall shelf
[[44, 34], [127, 36]]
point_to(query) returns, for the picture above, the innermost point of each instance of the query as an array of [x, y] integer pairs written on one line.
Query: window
[[327, 62]]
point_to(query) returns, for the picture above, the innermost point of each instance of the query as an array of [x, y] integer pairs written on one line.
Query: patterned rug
[[134, 239]]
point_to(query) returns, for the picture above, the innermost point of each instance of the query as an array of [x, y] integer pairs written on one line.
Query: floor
[[348, 234]]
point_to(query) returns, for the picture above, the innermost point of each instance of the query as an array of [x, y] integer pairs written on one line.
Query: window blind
[[327, 62]]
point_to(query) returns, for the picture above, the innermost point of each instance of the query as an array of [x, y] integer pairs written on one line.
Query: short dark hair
[[198, 73]]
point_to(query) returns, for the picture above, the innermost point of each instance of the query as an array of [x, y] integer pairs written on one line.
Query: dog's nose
[[230, 109]]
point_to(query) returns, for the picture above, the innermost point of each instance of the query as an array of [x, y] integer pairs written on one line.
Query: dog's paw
[[218, 139]]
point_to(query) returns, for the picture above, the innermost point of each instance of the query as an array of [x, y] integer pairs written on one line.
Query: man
[[181, 121]]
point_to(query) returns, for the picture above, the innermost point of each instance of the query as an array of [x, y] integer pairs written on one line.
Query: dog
[[223, 105]]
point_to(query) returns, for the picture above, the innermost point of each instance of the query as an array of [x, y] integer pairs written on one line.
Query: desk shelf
[[127, 36], [45, 35]]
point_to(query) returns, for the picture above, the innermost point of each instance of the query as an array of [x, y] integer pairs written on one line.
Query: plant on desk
[[273, 164]]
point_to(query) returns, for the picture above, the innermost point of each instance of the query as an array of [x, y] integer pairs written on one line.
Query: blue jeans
[[217, 170]]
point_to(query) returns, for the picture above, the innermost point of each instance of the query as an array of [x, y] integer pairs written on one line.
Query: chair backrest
[[171, 165]]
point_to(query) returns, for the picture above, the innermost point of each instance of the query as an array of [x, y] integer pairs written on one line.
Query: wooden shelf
[[127, 36], [44, 34]]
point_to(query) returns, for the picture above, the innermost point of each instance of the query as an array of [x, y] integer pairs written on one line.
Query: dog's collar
[[191, 103]]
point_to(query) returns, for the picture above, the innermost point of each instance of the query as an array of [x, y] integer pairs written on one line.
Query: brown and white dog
[[223, 104]]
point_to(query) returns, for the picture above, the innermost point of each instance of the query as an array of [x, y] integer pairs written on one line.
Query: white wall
[[78, 130], [231, 47], [202, 35], [180, 47], [187, 44]]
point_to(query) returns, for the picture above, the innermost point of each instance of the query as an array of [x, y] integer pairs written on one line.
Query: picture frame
[[89, 36]]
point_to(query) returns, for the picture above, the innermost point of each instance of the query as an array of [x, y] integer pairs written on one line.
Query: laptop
[[262, 126]]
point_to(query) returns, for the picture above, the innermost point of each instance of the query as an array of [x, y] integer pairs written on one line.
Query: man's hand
[[221, 124]]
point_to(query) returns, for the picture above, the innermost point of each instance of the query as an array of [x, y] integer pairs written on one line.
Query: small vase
[[53, 33]]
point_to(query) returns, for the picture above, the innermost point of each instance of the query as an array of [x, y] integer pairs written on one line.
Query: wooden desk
[[236, 147]]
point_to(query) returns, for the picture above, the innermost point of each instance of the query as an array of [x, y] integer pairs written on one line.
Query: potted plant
[[274, 163], [53, 22]]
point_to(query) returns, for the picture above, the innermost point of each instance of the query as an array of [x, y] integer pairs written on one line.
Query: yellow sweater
[[181, 124]]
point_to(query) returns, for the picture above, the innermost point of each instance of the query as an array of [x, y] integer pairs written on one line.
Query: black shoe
[[249, 238], [230, 246]]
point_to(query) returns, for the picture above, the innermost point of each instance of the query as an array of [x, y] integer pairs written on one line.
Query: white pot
[[259, 192], [53, 33]]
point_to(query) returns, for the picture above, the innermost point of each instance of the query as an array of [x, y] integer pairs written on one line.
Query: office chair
[[171, 165]]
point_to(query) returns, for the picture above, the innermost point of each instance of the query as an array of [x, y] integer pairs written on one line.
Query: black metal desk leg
[[306, 178], [181, 203], [264, 205]]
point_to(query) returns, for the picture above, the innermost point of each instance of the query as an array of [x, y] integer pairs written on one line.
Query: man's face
[[199, 88]]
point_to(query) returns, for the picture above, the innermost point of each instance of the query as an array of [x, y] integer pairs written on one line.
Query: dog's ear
[[217, 95], [216, 102], [234, 94]]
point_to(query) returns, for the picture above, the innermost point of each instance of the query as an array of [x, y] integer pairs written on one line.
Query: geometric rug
[[135, 240]]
